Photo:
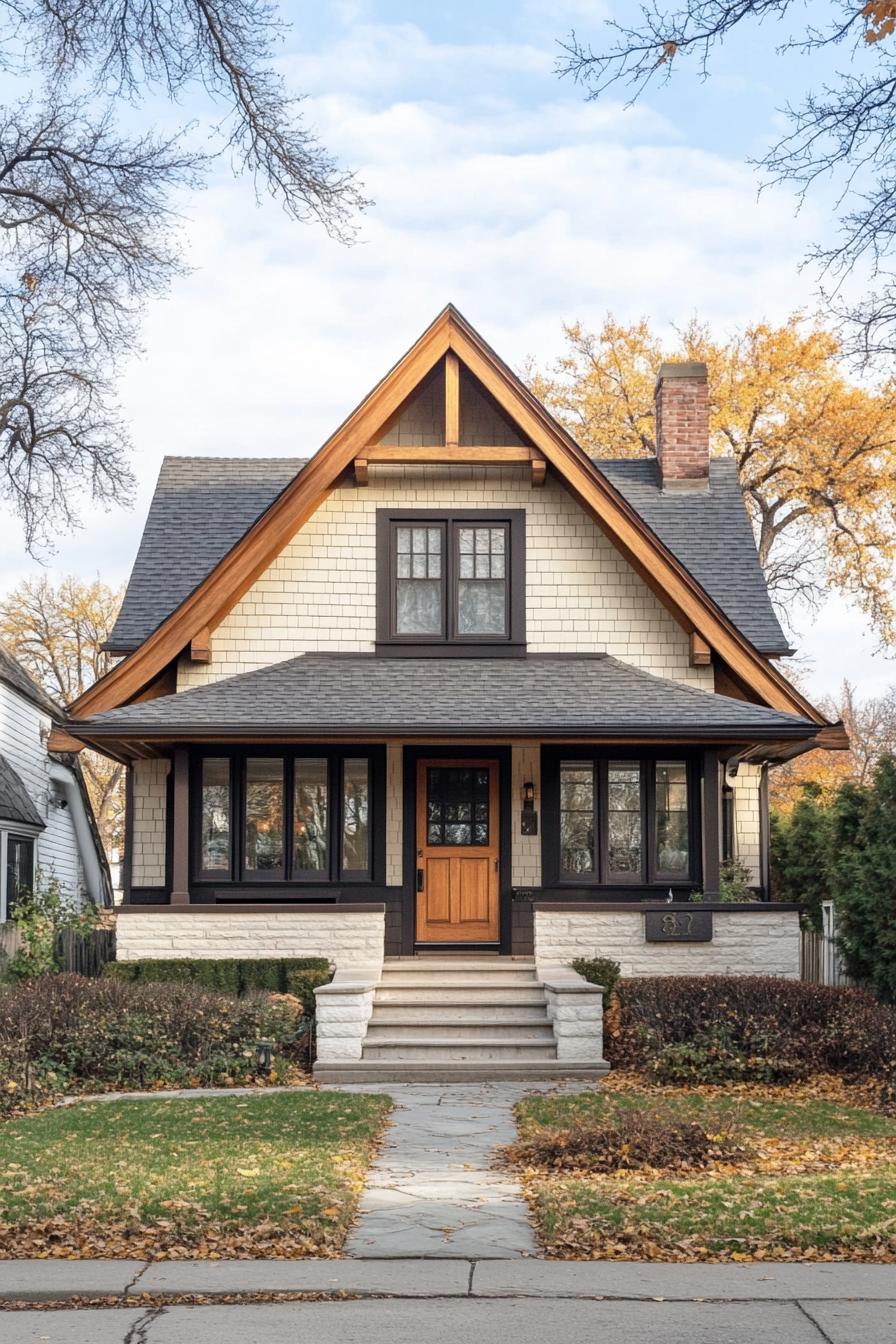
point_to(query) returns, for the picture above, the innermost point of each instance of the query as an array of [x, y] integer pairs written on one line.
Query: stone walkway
[[433, 1192]]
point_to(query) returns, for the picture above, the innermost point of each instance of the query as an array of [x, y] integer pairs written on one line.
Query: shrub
[[41, 916], [863, 878], [67, 1033], [801, 846], [632, 1140], [277, 975], [598, 971], [720, 1028]]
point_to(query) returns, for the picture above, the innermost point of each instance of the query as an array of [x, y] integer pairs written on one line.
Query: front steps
[[457, 1019]]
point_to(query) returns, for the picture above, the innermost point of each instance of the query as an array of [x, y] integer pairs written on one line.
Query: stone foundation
[[348, 935], [748, 939]]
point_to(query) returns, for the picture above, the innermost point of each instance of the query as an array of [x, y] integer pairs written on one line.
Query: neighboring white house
[[46, 821]]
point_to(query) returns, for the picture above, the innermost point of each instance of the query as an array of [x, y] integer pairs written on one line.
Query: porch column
[[180, 829], [711, 819]]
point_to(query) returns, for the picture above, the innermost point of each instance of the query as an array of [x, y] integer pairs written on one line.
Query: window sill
[[447, 649]]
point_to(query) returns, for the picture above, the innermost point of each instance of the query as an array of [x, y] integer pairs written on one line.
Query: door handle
[[419, 879]]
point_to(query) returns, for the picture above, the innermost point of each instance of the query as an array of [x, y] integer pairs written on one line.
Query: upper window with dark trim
[[451, 579], [301, 815], [619, 820]]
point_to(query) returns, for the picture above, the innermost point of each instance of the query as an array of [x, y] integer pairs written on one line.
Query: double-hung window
[[453, 580], [18, 871], [616, 820], [303, 815]]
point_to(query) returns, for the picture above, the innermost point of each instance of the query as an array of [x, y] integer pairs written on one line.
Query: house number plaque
[[678, 926]]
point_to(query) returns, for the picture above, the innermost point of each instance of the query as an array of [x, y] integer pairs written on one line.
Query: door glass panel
[[576, 817], [481, 581], [624, 828], [672, 846], [355, 815], [264, 815], [418, 581], [215, 838], [457, 806], [310, 815]]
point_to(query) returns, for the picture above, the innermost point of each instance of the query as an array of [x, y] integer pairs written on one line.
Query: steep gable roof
[[449, 335], [13, 674], [708, 532]]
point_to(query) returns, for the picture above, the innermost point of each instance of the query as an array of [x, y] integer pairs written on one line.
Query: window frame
[[16, 836], [449, 643], [238, 876], [600, 758]]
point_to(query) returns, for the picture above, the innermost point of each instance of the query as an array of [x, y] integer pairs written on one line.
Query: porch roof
[[342, 695], [16, 804]]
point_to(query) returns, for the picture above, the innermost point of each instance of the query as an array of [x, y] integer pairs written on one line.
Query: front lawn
[[798, 1173], [217, 1177]]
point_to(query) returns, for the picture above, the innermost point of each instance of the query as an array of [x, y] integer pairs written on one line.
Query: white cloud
[[525, 211]]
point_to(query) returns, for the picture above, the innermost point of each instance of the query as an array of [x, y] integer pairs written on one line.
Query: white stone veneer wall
[[765, 941], [148, 832], [346, 937], [320, 593]]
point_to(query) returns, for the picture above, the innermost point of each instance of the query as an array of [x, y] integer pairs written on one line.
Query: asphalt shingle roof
[[203, 505], [710, 533], [14, 674], [15, 801], [331, 694]]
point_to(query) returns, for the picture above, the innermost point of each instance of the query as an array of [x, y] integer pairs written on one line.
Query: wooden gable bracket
[[201, 646], [218, 593], [60, 740], [701, 653]]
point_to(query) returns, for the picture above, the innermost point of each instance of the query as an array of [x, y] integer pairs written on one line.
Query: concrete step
[[441, 1070], [460, 1014], [423, 1029], [471, 980], [454, 1047], [458, 995], [423, 965]]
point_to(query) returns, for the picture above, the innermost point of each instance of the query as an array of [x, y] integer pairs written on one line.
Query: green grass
[[267, 1174], [796, 1118], [855, 1213], [771, 1206]]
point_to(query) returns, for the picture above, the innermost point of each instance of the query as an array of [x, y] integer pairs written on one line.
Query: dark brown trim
[[449, 643], [623, 907], [180, 877], [346, 907], [127, 859], [712, 846], [765, 878]]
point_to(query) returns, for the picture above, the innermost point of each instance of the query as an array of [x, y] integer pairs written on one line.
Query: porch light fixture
[[264, 1051], [528, 817]]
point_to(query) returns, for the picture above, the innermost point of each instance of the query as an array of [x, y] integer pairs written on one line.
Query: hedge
[[759, 1028], [66, 1033], [276, 975]]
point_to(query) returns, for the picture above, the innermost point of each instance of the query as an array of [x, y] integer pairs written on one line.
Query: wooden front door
[[457, 851]]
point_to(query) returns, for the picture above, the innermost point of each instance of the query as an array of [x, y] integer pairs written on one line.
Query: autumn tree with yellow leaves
[[815, 451], [57, 633]]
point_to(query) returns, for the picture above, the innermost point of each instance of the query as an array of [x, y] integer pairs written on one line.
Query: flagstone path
[[434, 1191]]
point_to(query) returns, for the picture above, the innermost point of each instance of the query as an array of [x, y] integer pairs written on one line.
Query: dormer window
[[451, 583]]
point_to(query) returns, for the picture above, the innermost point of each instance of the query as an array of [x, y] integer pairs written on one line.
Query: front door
[[457, 852]]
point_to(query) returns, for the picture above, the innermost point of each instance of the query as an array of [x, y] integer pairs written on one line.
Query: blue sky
[[497, 187]]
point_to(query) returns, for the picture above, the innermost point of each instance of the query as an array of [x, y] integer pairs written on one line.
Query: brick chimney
[[682, 426]]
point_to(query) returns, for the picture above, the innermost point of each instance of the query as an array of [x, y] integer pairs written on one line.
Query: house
[[46, 821], [452, 686]]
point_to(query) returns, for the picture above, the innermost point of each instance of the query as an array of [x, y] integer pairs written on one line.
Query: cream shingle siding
[[746, 819], [320, 593], [150, 813], [526, 848]]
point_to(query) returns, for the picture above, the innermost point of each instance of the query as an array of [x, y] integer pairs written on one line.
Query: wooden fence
[[85, 956], [819, 956]]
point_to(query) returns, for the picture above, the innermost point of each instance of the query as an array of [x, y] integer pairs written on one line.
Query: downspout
[[93, 872]]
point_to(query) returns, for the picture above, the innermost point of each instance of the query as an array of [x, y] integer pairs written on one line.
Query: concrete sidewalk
[[528, 1300]]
